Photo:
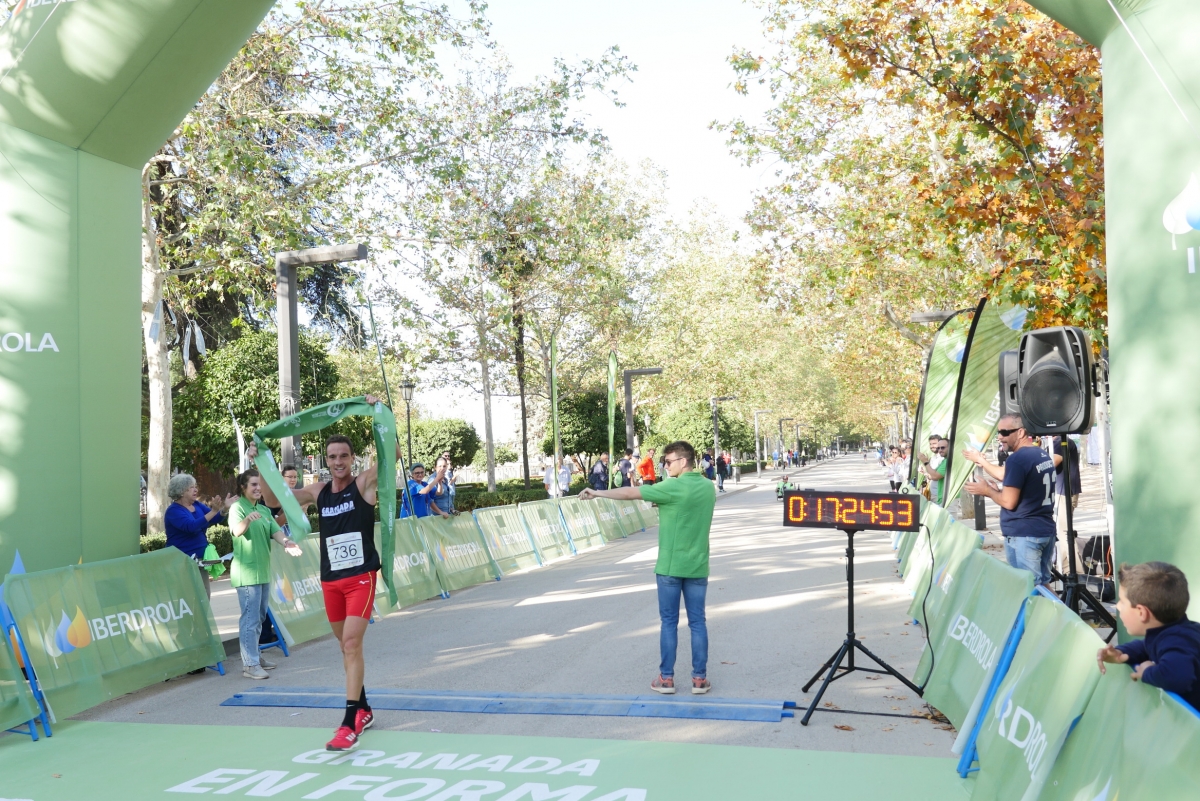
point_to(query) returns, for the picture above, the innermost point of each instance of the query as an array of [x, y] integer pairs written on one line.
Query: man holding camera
[[1026, 497]]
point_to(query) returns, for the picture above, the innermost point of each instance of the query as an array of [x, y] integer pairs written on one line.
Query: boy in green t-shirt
[[253, 527], [685, 511], [782, 487]]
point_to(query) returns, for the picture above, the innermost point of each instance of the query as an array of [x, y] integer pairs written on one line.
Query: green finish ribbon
[[314, 419]]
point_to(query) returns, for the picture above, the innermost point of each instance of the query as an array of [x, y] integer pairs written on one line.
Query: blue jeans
[[1032, 554], [693, 591], [252, 600]]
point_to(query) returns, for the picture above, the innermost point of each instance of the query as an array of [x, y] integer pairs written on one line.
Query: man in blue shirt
[[1026, 498], [420, 492]]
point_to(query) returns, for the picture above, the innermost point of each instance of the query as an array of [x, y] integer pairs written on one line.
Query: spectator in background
[[291, 477], [564, 477], [645, 468], [451, 482], [775, 458], [1058, 452], [187, 520], [626, 468], [706, 465], [931, 466], [598, 480], [440, 496], [722, 468], [550, 479], [419, 490]]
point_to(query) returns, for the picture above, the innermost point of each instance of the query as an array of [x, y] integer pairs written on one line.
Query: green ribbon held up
[[383, 426]]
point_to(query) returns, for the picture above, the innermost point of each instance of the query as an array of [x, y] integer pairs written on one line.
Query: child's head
[[1152, 594]]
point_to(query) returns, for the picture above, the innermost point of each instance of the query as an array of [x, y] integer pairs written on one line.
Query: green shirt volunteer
[[685, 511], [252, 550]]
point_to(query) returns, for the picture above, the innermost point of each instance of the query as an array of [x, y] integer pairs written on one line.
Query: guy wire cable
[[924, 614]]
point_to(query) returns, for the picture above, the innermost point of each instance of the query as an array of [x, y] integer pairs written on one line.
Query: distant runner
[[349, 563]]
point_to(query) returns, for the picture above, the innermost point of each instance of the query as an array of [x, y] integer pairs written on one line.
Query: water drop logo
[[441, 552], [1183, 213], [72, 634], [1014, 318], [283, 591]]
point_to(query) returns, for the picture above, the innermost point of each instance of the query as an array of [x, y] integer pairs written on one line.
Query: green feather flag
[[314, 419]]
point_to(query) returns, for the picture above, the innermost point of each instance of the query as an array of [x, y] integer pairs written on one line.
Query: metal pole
[[289, 357], [757, 449], [408, 426]]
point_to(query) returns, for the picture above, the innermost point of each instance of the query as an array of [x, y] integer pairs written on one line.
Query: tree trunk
[[158, 364], [489, 443], [519, 353]]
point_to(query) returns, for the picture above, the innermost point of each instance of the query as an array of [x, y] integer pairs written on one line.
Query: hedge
[[217, 535]]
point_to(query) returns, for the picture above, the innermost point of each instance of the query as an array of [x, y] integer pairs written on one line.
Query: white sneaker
[[266, 665], [254, 672]]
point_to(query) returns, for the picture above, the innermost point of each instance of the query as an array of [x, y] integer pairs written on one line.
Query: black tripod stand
[[834, 663], [1075, 593]]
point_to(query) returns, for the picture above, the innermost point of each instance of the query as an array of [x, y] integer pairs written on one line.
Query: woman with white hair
[[187, 520]]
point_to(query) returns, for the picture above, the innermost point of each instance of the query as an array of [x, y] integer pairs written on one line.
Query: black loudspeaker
[[1055, 381], [1010, 396]]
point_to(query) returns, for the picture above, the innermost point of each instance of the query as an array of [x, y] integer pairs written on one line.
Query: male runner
[[349, 563]]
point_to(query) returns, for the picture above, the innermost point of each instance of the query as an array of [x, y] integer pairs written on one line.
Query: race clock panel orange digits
[[860, 511]]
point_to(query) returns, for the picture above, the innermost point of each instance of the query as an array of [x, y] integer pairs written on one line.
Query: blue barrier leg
[[31, 677], [970, 753], [279, 641]]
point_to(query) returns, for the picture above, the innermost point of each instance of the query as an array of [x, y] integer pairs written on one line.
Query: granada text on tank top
[[347, 533]]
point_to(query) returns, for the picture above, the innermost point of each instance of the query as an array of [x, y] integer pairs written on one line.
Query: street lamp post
[[287, 292], [757, 447], [629, 374], [783, 420], [716, 434], [406, 391]]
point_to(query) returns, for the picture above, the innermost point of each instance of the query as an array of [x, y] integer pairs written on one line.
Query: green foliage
[[693, 423], [583, 424], [431, 437], [245, 375], [504, 455]]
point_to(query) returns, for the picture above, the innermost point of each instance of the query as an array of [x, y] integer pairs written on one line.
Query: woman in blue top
[[187, 520]]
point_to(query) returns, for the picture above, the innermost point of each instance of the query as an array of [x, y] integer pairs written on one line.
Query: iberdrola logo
[[441, 552], [283, 591], [71, 634]]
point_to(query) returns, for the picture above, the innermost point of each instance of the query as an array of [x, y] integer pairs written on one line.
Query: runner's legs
[[350, 636]]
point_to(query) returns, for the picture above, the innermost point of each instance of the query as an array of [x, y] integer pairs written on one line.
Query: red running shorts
[[349, 597]]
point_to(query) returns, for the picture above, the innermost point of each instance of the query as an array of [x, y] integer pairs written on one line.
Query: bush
[[217, 535], [482, 500]]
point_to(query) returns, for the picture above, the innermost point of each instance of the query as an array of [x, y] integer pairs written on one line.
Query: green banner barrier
[[545, 524], [606, 515], [649, 513], [981, 601], [100, 630], [951, 545], [627, 514], [17, 705], [511, 544], [460, 553], [295, 596], [582, 524], [935, 411], [1134, 741], [1047, 687], [414, 574]]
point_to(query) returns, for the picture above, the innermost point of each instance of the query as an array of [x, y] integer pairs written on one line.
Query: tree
[[504, 455], [583, 427], [692, 423], [244, 375], [314, 114], [431, 438]]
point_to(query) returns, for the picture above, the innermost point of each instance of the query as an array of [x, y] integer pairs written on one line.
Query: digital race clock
[[851, 510]]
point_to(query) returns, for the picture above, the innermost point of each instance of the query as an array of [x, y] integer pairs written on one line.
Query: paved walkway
[[776, 610]]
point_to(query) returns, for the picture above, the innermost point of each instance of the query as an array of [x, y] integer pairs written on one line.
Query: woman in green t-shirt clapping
[[253, 528]]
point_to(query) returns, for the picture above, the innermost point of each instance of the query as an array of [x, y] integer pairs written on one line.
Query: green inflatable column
[[1152, 191], [89, 90]]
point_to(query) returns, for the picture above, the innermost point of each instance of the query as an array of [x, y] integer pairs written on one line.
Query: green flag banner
[[545, 524], [1047, 687], [951, 545], [414, 575], [1134, 741], [974, 423], [510, 542], [980, 603], [103, 629], [295, 595], [314, 419], [459, 550], [582, 524], [612, 418], [608, 518], [936, 409], [17, 705], [627, 514]]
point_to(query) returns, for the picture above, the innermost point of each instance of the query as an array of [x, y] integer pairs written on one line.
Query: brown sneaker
[[701, 686], [666, 685]]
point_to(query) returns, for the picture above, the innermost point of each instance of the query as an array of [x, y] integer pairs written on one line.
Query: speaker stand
[[834, 663], [1075, 593]]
